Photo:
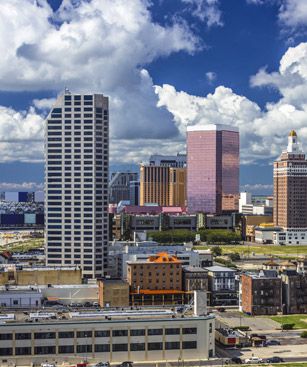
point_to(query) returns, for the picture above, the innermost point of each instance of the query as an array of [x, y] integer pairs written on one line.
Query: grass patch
[[267, 250], [297, 320]]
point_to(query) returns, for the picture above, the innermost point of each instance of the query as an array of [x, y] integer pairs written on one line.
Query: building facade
[[162, 185], [294, 292], [177, 186], [222, 286], [119, 186], [212, 169], [179, 160], [134, 192], [159, 272], [260, 294], [138, 336], [76, 182], [194, 278], [290, 193]]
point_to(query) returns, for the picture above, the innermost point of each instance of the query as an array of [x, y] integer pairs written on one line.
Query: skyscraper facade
[[76, 182], [212, 168], [162, 185], [119, 186], [290, 188], [134, 192]]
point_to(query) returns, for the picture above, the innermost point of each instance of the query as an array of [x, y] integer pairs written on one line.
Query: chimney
[[200, 303]]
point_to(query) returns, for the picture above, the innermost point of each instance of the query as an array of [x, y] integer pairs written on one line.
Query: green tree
[[216, 251]]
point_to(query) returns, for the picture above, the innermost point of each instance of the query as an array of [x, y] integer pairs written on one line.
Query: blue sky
[[165, 65]]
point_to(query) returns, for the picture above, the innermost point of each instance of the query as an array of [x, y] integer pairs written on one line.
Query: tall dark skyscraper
[[76, 182]]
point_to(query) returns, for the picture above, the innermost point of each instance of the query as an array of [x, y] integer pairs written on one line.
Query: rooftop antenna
[[67, 91]]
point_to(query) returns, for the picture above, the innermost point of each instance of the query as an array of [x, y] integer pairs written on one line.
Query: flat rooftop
[[115, 315]]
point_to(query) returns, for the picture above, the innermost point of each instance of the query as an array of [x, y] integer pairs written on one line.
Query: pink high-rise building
[[212, 168]]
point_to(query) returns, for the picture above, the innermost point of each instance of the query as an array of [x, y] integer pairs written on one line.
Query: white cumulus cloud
[[263, 131], [97, 46], [207, 11]]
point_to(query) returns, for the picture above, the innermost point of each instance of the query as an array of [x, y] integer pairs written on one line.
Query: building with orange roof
[[158, 280], [159, 272]]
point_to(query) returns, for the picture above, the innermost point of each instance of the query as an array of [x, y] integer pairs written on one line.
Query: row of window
[[98, 348], [97, 333]]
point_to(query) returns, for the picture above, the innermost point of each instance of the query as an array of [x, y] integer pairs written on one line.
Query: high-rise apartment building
[[162, 185], [212, 168], [119, 186], [290, 192], [76, 182]]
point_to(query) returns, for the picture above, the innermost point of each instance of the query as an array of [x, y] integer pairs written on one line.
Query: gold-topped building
[[290, 193]]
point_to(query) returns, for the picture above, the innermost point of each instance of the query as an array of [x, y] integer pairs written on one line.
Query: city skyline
[[190, 62]]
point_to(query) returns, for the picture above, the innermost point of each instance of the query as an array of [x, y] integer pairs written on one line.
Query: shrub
[[235, 256], [287, 326], [216, 251], [304, 334]]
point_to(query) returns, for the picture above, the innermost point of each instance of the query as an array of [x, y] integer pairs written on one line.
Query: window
[[66, 349], [120, 347], [85, 348], [6, 336], [44, 350], [155, 331], [6, 351], [23, 336], [137, 347], [189, 345], [172, 345], [19, 351], [137, 332], [189, 330], [155, 346], [172, 331], [102, 333], [66, 334], [120, 333], [102, 347], [84, 334], [44, 336]]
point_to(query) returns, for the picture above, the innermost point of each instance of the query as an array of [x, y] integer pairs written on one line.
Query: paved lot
[[283, 351], [235, 318]]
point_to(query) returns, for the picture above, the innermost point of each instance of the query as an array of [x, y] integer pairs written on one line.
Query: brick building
[[159, 272], [260, 294], [157, 281]]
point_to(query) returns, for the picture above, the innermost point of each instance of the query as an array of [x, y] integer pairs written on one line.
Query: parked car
[[274, 359], [273, 342], [233, 360], [126, 364], [236, 360], [221, 309], [102, 364], [254, 360]]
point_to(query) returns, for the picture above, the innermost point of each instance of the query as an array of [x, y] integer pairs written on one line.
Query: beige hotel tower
[[290, 194]]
